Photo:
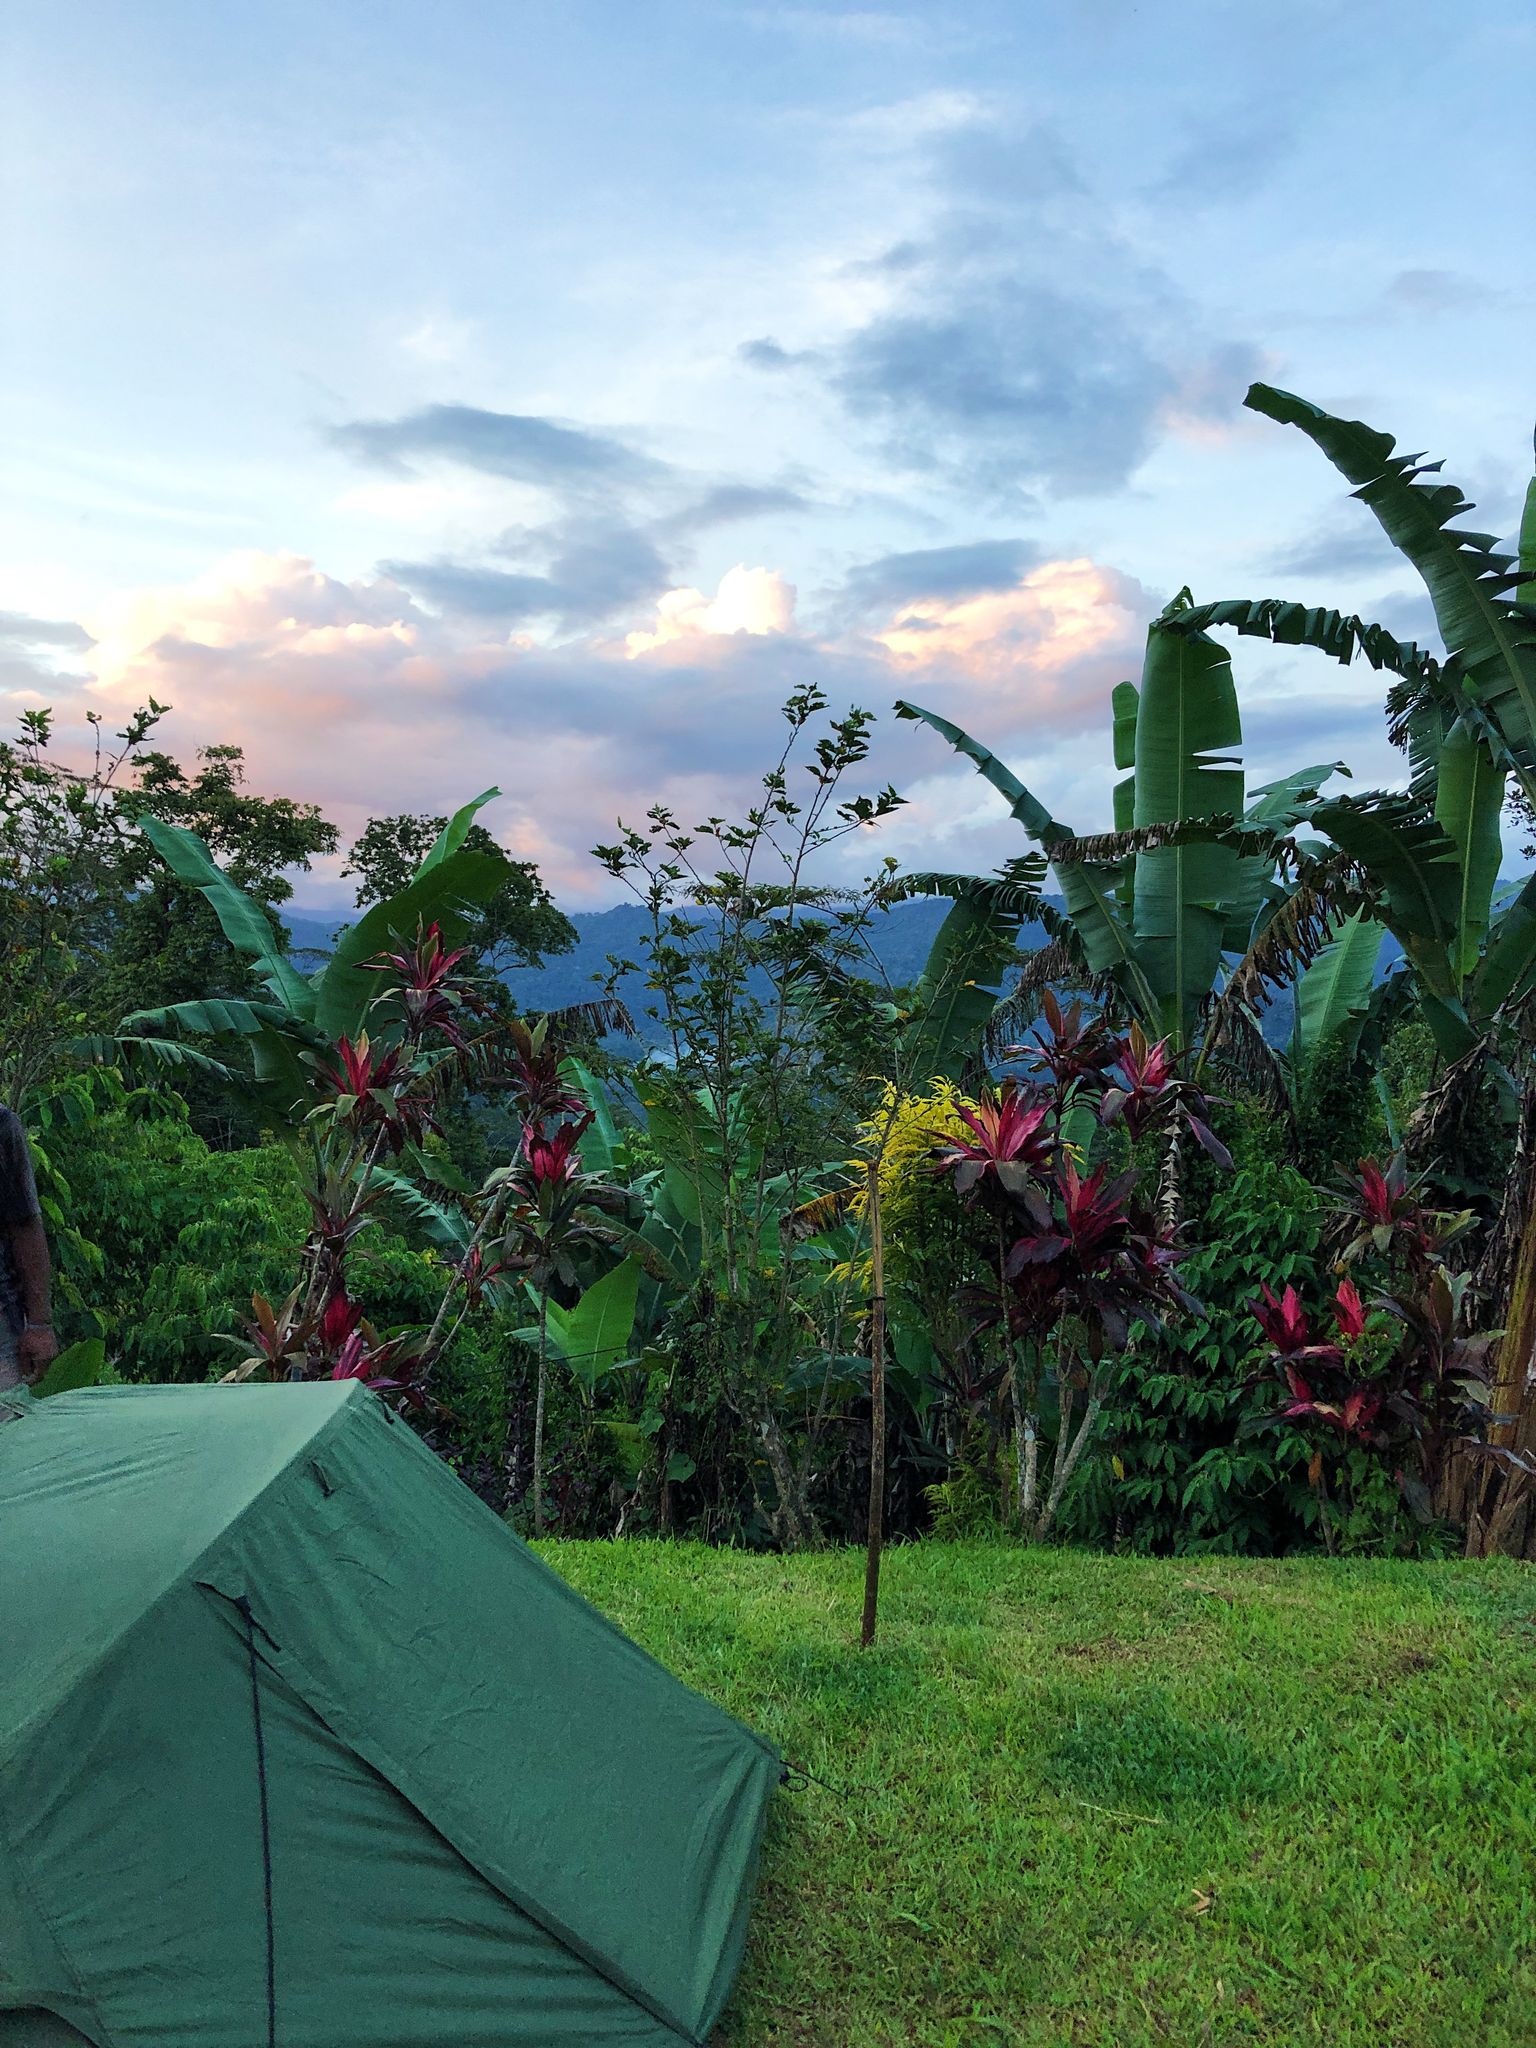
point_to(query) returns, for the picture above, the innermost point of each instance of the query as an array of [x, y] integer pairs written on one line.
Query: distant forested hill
[[901, 940]]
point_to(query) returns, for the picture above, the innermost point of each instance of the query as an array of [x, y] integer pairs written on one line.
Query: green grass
[[1089, 1800]]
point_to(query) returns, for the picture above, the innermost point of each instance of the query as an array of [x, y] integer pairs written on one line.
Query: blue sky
[[537, 393]]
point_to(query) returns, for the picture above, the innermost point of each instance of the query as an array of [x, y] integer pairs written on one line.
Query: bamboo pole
[[876, 1412]]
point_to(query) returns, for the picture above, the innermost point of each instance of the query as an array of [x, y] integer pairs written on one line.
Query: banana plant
[[1158, 917], [295, 1013], [1467, 719]]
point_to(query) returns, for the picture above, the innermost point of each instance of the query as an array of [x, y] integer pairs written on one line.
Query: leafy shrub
[[1178, 1475]]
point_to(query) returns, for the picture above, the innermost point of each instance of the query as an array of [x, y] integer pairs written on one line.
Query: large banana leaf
[[687, 1143], [1187, 730], [1334, 993], [151, 1054], [244, 922], [444, 1225], [443, 893], [1468, 805], [594, 1336], [1087, 891], [1511, 950], [454, 833], [1469, 580], [602, 1146], [1125, 705], [1288, 624], [213, 1017], [1026, 807], [1411, 863], [961, 979]]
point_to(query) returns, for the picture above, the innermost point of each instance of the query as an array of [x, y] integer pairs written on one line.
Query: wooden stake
[[876, 1412]]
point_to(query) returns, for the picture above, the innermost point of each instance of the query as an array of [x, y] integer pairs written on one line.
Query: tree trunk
[[1026, 1441], [1514, 1396], [1066, 1466], [876, 1527]]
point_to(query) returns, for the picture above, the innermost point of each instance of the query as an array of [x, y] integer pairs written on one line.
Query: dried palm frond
[[1494, 1274], [1108, 849], [1294, 936], [821, 1213], [1056, 965], [1436, 1124], [1247, 1055]]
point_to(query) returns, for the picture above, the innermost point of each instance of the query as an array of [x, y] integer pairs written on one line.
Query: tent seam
[[309, 1691]]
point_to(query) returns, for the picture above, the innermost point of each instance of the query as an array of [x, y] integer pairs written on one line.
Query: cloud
[[767, 354], [1225, 160], [1020, 342], [859, 25], [1047, 625], [594, 567], [1343, 541], [963, 570], [34, 654], [522, 447], [1015, 384], [725, 504], [19, 630], [1415, 293], [748, 601], [349, 693]]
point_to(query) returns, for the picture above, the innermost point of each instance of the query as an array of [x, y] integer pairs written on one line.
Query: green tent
[[299, 1745]]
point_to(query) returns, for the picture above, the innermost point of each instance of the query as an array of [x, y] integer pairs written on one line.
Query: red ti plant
[[1081, 1265], [1013, 1138], [545, 1205], [334, 1342], [1395, 1378], [1321, 1376], [1384, 1223], [365, 1090], [373, 1095], [1077, 1045], [430, 990], [1148, 1093]]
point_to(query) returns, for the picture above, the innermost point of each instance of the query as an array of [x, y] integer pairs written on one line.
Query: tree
[[517, 928], [62, 845]]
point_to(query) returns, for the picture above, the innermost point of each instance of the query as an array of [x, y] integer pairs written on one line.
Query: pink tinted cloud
[[349, 694]]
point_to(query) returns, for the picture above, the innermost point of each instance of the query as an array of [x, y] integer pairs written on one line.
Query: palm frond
[[1342, 635], [1297, 932], [594, 1019], [1058, 964], [1435, 1128], [1106, 849], [1247, 1055]]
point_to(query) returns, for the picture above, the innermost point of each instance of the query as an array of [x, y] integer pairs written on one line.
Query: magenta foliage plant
[[1396, 1377], [1082, 1262]]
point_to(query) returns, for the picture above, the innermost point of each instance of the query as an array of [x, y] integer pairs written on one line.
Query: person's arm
[[38, 1346], [22, 1224]]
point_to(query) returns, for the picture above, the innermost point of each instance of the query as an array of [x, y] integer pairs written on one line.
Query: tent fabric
[[491, 1819]]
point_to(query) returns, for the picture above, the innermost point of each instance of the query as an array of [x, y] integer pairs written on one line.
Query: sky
[[536, 394]]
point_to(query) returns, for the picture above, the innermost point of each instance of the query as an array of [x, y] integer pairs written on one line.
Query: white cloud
[[747, 601]]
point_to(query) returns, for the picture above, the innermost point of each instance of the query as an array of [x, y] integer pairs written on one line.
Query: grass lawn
[[1110, 1801]]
